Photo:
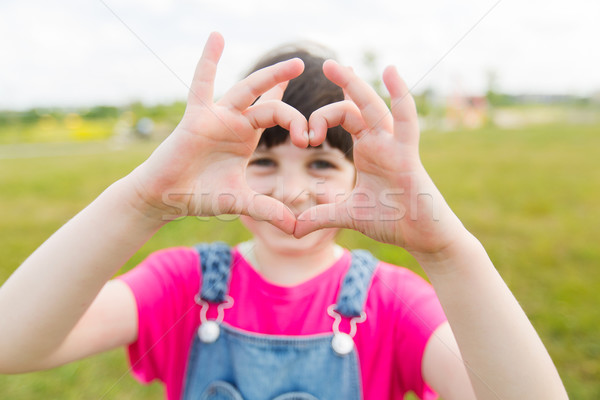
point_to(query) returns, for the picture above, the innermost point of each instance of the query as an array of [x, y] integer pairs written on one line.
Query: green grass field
[[530, 195]]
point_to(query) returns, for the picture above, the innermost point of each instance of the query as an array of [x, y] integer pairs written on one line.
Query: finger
[[275, 112], [346, 97], [245, 92], [372, 107], [404, 110], [344, 113], [265, 208], [275, 93], [319, 217], [201, 90]]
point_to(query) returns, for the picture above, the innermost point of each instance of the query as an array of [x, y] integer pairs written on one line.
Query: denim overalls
[[226, 363]]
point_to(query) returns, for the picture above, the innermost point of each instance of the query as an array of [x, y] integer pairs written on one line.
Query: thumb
[[332, 215], [262, 207]]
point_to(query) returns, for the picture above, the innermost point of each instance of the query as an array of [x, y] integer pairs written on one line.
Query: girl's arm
[[503, 354], [395, 201], [46, 296], [197, 170]]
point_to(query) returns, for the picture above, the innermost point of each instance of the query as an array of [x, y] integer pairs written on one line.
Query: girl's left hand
[[394, 200]]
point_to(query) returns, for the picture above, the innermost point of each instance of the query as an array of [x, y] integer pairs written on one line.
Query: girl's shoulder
[[170, 265], [171, 254], [388, 270], [173, 258], [399, 287]]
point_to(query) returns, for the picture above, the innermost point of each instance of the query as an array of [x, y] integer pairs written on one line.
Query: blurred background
[[509, 103]]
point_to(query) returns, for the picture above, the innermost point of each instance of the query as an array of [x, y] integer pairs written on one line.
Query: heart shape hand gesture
[[200, 168]]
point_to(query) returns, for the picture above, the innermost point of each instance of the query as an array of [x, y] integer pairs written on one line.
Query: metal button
[[342, 343], [209, 331]]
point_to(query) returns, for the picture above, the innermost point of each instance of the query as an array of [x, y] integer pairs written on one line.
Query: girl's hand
[[200, 168], [394, 200]]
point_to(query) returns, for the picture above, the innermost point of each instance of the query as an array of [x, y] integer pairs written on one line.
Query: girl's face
[[299, 178]]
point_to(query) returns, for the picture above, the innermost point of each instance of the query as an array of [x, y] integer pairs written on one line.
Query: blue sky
[[81, 53]]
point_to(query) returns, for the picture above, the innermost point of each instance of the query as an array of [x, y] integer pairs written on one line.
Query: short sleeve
[[164, 286], [418, 313]]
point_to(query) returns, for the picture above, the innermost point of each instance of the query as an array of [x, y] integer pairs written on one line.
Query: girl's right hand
[[200, 169]]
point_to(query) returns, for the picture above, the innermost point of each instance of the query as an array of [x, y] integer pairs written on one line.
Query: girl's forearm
[[503, 354], [43, 300]]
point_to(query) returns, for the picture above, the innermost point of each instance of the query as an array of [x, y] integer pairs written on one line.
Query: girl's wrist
[[130, 200], [455, 256]]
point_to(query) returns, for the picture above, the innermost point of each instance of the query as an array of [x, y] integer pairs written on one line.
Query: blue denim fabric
[[353, 293], [242, 365], [216, 260]]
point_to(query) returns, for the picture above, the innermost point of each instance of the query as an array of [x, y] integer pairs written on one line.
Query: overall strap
[[355, 286], [215, 260]]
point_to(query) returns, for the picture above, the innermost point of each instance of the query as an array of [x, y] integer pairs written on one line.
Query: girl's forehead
[[288, 147]]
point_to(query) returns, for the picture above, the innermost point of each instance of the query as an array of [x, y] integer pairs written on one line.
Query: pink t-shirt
[[402, 312]]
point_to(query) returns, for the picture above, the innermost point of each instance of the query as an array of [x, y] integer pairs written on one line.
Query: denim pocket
[[220, 390], [295, 396]]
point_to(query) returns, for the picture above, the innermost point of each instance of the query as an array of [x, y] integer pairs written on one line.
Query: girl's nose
[[293, 188]]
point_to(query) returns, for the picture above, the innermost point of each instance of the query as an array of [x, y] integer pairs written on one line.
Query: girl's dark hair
[[306, 93]]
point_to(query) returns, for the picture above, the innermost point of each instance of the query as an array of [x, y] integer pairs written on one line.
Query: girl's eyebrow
[[321, 150]]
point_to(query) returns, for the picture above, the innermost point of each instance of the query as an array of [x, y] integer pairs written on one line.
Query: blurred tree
[[424, 101], [170, 113], [30, 116], [8, 118], [101, 112], [494, 96]]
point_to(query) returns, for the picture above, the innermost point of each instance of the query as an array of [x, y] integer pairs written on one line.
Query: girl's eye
[[263, 162], [321, 164]]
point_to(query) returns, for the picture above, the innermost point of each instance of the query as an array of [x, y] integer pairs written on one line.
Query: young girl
[[288, 315]]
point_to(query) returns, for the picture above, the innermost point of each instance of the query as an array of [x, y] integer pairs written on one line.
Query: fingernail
[[311, 135], [305, 134]]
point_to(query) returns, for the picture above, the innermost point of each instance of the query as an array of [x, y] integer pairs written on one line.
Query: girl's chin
[[314, 237], [275, 237], [291, 246]]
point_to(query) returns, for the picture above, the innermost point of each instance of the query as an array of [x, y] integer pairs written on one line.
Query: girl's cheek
[[262, 184], [331, 193]]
